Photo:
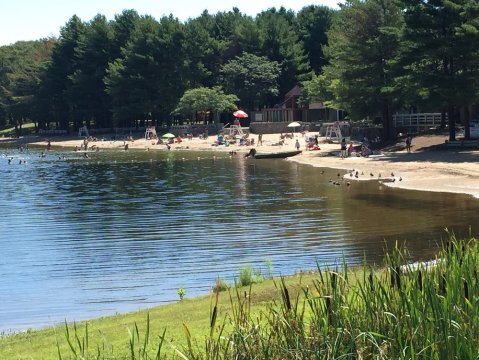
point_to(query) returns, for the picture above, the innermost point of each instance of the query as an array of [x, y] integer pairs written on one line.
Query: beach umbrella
[[168, 136], [294, 125], [240, 114]]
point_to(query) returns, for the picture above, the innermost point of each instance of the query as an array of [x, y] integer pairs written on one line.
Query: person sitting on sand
[[365, 151]]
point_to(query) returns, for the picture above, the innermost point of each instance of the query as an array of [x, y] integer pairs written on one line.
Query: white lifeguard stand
[[236, 130], [83, 131], [333, 132], [150, 133]]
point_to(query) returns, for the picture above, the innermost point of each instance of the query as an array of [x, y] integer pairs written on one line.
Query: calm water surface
[[120, 231]]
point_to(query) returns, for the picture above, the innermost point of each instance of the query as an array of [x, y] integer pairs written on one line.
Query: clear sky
[[36, 19]]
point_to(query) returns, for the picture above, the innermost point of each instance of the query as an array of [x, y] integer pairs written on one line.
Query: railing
[[417, 122], [280, 115], [52, 132]]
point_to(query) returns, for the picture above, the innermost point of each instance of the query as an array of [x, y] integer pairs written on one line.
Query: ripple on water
[[120, 231]]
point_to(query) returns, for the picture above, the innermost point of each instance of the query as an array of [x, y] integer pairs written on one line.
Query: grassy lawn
[[398, 312], [113, 331], [27, 128]]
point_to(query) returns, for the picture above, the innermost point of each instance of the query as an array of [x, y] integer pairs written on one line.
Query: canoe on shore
[[273, 155]]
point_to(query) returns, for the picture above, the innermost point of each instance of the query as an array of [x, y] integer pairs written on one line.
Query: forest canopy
[[371, 58]]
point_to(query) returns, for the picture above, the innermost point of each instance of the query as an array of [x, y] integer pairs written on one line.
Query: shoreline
[[426, 168]]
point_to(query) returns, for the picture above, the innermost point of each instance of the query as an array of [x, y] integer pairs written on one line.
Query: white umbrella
[[294, 125]]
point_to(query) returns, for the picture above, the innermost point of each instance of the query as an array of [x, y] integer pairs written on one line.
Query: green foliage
[[57, 105], [423, 310], [281, 43], [21, 68], [312, 24], [440, 54], [402, 310], [370, 58], [363, 46], [221, 285], [87, 88], [181, 293], [147, 81], [269, 266], [253, 78], [206, 99], [249, 276]]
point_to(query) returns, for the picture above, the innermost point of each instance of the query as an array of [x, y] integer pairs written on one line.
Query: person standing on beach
[[297, 144], [260, 139], [343, 148], [408, 143]]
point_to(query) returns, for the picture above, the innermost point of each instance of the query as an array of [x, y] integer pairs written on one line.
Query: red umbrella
[[240, 114]]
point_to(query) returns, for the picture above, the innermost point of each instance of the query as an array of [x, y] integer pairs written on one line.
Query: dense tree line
[[109, 74], [370, 58], [389, 55]]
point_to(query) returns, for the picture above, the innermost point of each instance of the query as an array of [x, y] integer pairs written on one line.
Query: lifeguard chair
[[150, 133], [333, 132], [83, 131], [235, 129]]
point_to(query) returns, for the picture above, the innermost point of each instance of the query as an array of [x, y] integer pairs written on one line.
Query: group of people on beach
[[348, 150]]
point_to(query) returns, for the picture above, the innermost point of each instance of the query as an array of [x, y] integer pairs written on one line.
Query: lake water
[[119, 231]]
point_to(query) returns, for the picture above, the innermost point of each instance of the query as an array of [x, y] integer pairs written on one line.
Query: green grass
[[395, 312], [113, 331], [27, 128]]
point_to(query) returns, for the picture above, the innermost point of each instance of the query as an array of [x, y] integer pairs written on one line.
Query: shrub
[[221, 285]]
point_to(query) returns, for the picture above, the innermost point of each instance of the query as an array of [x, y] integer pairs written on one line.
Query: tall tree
[[21, 67], [123, 26], [148, 80], [312, 24], [202, 100], [87, 92], [252, 78], [57, 81], [281, 44], [441, 58], [363, 49], [204, 51]]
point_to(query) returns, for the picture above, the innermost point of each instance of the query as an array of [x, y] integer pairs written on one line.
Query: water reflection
[[123, 230]]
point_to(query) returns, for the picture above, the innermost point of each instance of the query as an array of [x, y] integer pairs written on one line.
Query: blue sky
[[36, 19]]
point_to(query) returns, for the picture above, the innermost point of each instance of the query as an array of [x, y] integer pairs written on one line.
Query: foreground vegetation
[[402, 312]]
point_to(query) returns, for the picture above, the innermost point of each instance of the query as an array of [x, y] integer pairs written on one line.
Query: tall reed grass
[[395, 312]]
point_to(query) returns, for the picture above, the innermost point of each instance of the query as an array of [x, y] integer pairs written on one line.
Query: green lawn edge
[[114, 330]]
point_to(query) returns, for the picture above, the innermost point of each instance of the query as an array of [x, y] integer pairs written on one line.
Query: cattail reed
[[419, 280], [368, 320]]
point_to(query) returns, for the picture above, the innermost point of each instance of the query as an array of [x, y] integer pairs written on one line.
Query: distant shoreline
[[440, 170]]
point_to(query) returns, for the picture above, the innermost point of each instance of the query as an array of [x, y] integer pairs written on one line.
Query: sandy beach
[[429, 166]]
